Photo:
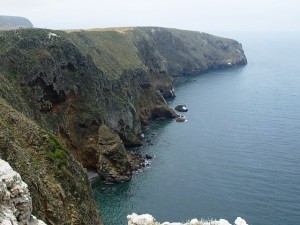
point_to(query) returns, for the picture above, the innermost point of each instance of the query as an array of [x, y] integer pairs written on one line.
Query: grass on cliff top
[[119, 29], [112, 51]]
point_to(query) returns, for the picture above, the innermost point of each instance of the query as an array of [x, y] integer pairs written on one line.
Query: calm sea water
[[237, 155]]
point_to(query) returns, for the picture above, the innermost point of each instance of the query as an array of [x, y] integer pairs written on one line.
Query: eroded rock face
[[72, 83], [58, 184], [146, 219], [113, 165], [15, 200]]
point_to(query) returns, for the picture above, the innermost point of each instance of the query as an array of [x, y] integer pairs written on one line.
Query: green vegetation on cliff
[[58, 184], [62, 93]]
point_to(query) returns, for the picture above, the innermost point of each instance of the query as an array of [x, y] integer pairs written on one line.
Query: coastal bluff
[[76, 99]]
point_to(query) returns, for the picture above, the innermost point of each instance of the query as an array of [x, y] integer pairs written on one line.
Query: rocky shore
[[146, 219]]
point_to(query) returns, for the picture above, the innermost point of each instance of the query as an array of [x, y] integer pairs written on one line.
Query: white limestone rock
[[146, 219], [240, 221], [15, 200]]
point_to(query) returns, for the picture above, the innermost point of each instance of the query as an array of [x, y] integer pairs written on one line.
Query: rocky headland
[[75, 100]]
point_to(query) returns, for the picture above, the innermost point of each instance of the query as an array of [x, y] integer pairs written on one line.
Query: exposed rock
[[135, 159], [180, 119], [240, 221], [148, 156], [146, 219], [113, 165], [15, 200], [181, 108], [71, 83], [58, 184]]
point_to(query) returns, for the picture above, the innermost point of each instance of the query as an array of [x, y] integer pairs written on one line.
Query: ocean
[[238, 153]]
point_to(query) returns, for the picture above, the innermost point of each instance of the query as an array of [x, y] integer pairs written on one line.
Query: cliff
[[58, 183], [88, 94], [14, 22]]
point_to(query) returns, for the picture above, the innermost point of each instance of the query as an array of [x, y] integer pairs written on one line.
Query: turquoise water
[[237, 155]]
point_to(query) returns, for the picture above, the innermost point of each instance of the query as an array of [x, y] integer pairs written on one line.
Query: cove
[[238, 153]]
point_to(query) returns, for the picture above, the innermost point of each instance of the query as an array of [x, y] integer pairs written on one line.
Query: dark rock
[[148, 156], [113, 165], [136, 160], [180, 119], [181, 108]]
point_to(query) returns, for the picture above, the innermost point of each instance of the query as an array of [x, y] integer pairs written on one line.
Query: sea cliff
[[79, 98]]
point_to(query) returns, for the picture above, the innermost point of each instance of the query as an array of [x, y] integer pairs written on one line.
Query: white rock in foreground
[[146, 219], [15, 200]]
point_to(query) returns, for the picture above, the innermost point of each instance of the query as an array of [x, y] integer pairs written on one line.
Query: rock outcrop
[[181, 108], [72, 83], [15, 200], [146, 219], [113, 165], [58, 184], [14, 22]]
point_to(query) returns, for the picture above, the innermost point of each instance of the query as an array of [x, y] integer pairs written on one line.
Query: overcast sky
[[201, 15]]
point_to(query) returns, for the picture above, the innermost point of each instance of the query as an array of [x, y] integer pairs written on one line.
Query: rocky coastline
[[76, 100]]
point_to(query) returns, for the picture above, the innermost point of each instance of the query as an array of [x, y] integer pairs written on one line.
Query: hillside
[[14, 22], [89, 93]]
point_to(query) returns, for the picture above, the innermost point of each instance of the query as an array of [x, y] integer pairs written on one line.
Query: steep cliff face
[[95, 90], [72, 83], [14, 22], [58, 184], [171, 53]]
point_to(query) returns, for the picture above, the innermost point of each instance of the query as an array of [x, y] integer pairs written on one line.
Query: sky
[[200, 15]]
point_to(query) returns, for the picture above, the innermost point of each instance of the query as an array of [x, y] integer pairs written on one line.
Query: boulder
[[146, 219], [148, 156], [180, 119], [181, 108]]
